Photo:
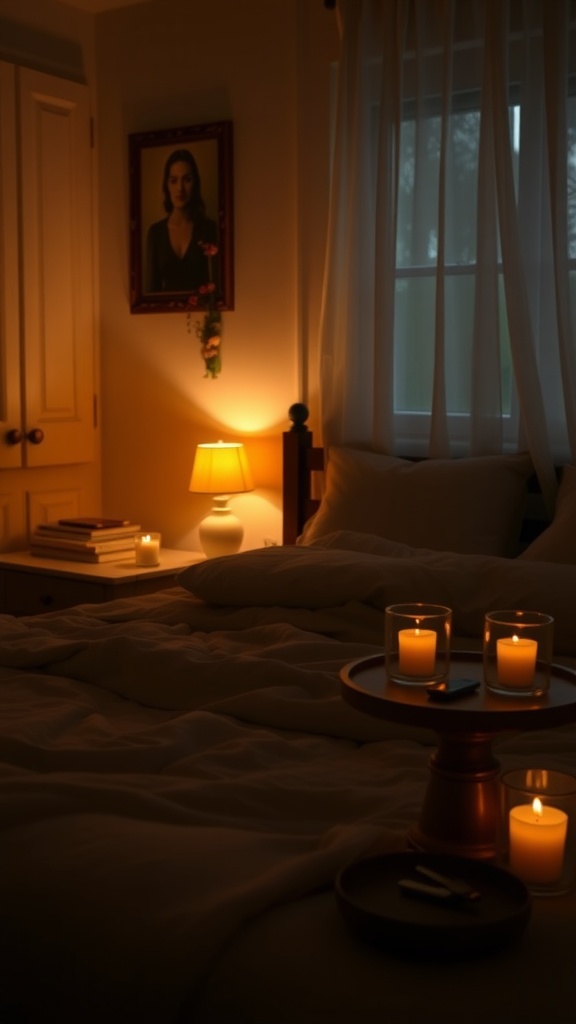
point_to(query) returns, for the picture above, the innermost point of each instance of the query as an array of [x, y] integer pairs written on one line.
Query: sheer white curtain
[[448, 307]]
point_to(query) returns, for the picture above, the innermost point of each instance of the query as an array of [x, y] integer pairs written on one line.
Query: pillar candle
[[537, 841], [516, 658], [147, 550], [417, 652]]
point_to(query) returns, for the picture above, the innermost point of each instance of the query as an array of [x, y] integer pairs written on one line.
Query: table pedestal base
[[461, 810]]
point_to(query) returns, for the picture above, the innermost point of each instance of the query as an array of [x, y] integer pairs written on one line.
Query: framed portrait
[[181, 227]]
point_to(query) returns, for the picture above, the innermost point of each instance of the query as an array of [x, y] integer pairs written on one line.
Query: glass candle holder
[[147, 548], [538, 841], [517, 652], [417, 643]]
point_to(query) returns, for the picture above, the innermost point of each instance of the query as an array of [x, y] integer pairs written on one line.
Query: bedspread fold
[[172, 767]]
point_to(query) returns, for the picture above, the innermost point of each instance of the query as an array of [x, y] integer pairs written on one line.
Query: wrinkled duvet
[[180, 781]]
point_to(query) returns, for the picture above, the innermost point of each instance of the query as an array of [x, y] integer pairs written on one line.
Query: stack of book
[[85, 539]]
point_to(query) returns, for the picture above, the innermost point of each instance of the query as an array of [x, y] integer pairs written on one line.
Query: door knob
[[35, 436], [14, 436]]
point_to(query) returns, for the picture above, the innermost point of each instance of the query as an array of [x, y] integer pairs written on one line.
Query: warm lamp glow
[[221, 469]]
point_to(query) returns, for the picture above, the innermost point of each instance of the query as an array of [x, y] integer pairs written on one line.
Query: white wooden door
[[11, 419], [57, 287]]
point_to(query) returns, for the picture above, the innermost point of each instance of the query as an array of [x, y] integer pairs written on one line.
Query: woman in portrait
[[181, 247]]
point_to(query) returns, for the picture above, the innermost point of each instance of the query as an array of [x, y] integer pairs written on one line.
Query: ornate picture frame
[[181, 219]]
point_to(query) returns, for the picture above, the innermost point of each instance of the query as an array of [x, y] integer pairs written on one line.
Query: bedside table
[[30, 585]]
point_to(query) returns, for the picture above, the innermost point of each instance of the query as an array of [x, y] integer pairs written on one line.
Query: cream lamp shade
[[221, 469]]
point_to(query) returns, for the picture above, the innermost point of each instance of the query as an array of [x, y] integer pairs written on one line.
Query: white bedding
[[181, 780]]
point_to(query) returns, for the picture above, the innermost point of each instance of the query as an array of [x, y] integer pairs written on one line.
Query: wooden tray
[[374, 907]]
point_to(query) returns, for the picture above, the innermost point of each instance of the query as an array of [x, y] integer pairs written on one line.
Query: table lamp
[[221, 469]]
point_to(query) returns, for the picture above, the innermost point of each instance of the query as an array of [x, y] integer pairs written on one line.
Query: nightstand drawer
[[31, 594], [30, 585]]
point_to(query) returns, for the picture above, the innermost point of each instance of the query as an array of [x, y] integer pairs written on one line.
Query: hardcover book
[[99, 533], [96, 546], [93, 523], [82, 556]]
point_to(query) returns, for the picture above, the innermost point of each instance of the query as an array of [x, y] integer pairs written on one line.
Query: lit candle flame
[[537, 808]]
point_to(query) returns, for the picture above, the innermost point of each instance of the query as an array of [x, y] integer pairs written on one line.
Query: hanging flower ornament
[[209, 328]]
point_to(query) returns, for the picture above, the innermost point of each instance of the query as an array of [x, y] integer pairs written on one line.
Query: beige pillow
[[361, 584], [557, 543], [471, 505]]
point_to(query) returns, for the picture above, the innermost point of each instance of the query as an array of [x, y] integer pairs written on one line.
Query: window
[[450, 286], [417, 256]]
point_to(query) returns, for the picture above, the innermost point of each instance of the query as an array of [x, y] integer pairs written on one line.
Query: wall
[[48, 36], [264, 65], [159, 68]]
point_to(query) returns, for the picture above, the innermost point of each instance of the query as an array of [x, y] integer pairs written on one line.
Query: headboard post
[[299, 458]]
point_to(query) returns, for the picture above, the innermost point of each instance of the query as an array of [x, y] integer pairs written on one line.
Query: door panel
[[10, 411], [56, 222]]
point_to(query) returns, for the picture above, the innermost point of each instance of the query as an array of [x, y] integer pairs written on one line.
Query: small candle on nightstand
[[147, 548], [537, 840], [417, 651]]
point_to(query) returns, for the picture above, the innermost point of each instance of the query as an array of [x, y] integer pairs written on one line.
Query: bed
[[181, 780]]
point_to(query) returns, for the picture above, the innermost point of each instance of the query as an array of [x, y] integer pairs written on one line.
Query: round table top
[[366, 687]]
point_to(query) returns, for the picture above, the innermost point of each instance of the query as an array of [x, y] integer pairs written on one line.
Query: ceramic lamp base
[[221, 532]]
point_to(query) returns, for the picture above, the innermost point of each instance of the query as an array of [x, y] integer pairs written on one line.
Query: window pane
[[417, 239], [572, 178], [414, 344], [507, 377]]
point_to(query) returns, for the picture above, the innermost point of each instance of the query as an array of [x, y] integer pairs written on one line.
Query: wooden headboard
[[300, 458]]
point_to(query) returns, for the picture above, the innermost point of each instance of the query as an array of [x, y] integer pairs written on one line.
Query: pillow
[[368, 543], [287, 576], [362, 584], [557, 543], [472, 505]]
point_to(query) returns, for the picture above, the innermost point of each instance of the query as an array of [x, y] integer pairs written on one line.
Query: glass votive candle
[[538, 842], [517, 652], [147, 548], [417, 643]]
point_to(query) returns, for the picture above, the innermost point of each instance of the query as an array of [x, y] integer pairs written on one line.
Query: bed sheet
[[177, 779]]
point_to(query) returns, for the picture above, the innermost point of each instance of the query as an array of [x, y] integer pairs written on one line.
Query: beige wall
[[162, 66], [264, 65], [49, 36]]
